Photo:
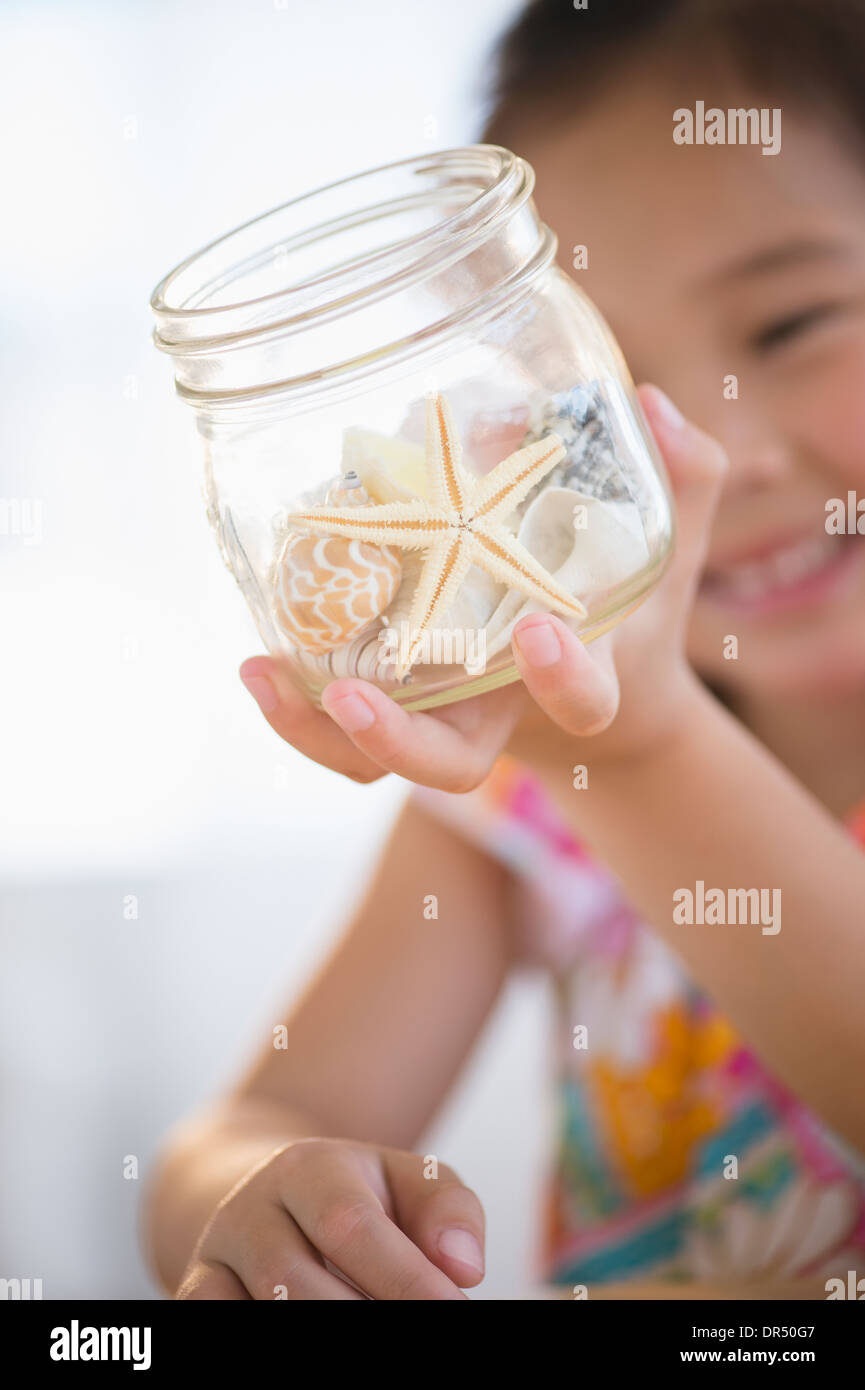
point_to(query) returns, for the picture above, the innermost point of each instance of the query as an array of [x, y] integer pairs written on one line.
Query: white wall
[[131, 759]]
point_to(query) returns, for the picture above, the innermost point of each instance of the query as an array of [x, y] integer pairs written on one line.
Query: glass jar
[[416, 428]]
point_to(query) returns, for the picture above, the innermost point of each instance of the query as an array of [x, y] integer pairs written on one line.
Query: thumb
[[696, 464], [439, 1213]]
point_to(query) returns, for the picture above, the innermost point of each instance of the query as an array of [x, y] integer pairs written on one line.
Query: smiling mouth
[[791, 576]]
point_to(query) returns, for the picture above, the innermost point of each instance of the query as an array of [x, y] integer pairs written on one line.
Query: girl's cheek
[[704, 644], [828, 417]]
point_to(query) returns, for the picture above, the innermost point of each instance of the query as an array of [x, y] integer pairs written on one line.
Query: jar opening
[[299, 292]]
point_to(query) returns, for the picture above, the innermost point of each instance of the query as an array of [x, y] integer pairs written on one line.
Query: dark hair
[[556, 56]]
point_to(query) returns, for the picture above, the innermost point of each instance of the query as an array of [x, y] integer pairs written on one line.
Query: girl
[[711, 1122]]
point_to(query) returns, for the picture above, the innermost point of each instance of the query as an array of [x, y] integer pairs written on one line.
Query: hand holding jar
[[625, 692], [425, 463]]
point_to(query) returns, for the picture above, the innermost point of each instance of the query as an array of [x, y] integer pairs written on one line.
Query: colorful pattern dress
[[652, 1110]]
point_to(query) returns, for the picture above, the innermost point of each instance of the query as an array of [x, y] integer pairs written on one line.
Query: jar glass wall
[[416, 429]]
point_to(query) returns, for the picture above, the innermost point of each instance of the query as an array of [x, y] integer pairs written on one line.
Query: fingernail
[[539, 644], [262, 691], [351, 712], [461, 1245], [669, 413]]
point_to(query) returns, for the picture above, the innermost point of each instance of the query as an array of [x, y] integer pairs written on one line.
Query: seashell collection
[[407, 540]]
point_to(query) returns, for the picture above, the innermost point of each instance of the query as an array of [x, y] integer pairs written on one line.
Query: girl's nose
[[755, 466], [759, 454]]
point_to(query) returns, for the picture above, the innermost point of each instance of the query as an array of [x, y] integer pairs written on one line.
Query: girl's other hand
[[624, 690], [321, 1208]]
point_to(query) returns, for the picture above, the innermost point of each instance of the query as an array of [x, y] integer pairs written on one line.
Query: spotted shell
[[329, 589]]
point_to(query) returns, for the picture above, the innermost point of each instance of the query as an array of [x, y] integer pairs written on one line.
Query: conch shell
[[329, 589]]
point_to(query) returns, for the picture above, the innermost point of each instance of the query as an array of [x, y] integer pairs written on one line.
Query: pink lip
[[824, 584], [753, 554]]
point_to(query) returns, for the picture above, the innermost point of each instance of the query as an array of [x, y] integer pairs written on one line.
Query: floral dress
[[678, 1155]]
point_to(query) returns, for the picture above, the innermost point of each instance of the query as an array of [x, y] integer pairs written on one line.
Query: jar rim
[[213, 333], [512, 176]]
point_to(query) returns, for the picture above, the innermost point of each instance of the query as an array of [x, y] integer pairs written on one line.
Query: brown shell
[[329, 589]]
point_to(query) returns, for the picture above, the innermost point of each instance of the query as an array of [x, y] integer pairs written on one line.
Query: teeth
[[747, 581], [782, 570]]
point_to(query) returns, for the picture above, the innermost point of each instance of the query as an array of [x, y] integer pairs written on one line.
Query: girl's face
[[714, 263]]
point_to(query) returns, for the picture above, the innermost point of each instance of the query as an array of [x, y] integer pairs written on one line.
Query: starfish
[[462, 524]]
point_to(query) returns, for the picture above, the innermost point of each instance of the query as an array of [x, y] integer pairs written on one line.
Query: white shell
[[610, 548]]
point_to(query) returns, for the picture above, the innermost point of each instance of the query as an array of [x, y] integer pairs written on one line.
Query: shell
[[329, 589], [399, 464], [347, 491], [589, 561], [582, 419]]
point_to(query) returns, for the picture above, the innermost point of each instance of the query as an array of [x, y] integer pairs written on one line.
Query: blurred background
[[161, 851]]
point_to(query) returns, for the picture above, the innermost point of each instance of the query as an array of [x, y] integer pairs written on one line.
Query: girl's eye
[[784, 330]]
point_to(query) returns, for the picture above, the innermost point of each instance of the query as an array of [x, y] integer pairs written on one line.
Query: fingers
[[363, 733], [579, 692], [295, 719], [577, 686], [324, 1213], [696, 464], [440, 1214], [273, 1258], [208, 1280], [420, 747], [330, 1198]]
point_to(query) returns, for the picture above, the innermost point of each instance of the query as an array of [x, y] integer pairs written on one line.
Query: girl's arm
[[372, 1047], [677, 794], [709, 804]]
